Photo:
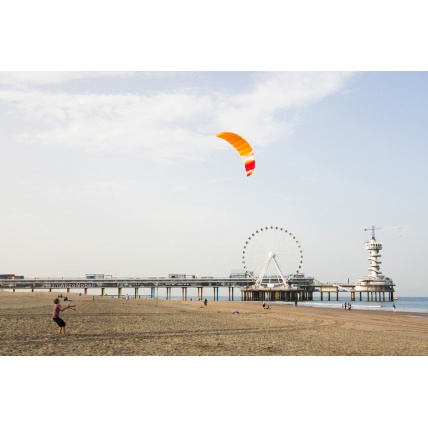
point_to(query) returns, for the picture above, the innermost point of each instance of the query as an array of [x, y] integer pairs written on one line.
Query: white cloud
[[27, 78], [115, 188], [170, 125], [254, 113]]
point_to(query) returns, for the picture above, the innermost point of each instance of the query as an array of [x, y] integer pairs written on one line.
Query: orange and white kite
[[243, 148]]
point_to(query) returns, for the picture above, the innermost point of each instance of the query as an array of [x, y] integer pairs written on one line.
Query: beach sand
[[150, 327]]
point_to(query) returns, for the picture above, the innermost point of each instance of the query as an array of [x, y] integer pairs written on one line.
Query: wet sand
[[149, 327]]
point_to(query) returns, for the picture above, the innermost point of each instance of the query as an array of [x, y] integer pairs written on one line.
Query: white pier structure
[[297, 286], [266, 254], [153, 284], [375, 278]]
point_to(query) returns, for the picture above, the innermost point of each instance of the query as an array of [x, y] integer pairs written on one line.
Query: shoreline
[[327, 304], [159, 327]]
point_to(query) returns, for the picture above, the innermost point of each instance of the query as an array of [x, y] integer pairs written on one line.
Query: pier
[[298, 287], [327, 292], [266, 285], [205, 288]]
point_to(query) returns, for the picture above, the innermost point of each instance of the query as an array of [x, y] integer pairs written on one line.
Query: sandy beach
[[149, 327]]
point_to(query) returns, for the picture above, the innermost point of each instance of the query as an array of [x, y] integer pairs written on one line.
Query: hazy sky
[[121, 172]]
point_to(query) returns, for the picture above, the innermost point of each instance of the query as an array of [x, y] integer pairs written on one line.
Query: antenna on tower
[[373, 231], [373, 228]]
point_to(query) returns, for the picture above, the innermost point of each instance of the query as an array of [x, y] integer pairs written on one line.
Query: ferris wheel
[[271, 254]]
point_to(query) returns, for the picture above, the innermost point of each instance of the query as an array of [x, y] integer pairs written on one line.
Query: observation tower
[[375, 278]]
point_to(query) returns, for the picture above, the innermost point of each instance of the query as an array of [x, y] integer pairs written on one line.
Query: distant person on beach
[[55, 315], [127, 298], [264, 305], [393, 307], [295, 303], [205, 302]]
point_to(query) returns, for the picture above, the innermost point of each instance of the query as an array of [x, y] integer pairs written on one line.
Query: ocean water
[[403, 304]]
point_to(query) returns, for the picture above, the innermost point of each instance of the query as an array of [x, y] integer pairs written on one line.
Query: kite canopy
[[243, 148]]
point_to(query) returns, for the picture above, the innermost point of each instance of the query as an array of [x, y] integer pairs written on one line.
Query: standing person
[[55, 315], [205, 302], [127, 298]]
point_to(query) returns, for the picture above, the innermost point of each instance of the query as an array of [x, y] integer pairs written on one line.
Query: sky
[[121, 173]]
